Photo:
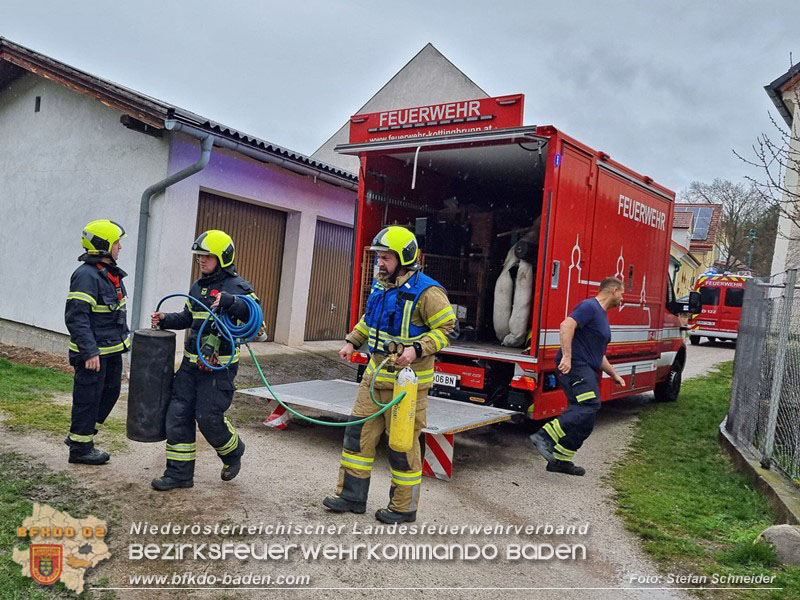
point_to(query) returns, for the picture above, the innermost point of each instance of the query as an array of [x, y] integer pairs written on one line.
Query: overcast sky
[[667, 87]]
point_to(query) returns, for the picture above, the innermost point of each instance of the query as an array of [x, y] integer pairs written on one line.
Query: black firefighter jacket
[[96, 314], [206, 290]]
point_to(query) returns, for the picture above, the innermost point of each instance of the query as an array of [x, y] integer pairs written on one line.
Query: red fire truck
[[722, 297], [519, 224]]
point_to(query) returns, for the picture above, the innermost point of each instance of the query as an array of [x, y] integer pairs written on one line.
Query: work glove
[[225, 300]]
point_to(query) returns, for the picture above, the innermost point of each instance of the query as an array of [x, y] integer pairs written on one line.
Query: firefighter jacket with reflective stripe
[[414, 308], [192, 316], [96, 314]]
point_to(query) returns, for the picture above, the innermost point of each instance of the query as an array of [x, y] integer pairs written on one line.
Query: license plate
[[445, 379], [711, 323]]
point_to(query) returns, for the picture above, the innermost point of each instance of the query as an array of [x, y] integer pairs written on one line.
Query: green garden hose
[[384, 407]]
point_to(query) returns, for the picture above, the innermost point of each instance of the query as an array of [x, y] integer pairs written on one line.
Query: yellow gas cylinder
[[401, 426]]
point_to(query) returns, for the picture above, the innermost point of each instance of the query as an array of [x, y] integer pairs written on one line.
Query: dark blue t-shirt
[[592, 335]]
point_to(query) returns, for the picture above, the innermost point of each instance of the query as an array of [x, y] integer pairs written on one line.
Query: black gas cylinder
[[150, 384]]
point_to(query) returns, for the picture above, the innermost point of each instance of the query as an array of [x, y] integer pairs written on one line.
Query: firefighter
[[584, 336], [199, 393], [407, 307], [96, 318]]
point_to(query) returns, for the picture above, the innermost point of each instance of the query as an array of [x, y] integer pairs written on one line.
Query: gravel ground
[[285, 474]]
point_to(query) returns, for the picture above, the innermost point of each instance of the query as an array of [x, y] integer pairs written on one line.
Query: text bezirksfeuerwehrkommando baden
[[409, 547]]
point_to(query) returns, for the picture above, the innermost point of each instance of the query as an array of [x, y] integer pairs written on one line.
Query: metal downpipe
[[263, 156], [144, 222]]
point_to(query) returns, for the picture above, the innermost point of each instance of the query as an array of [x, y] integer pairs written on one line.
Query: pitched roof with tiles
[[682, 220], [714, 227]]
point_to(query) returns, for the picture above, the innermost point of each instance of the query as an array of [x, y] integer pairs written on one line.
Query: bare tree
[[743, 207], [778, 159]]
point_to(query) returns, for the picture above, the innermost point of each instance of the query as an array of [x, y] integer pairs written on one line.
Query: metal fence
[[764, 413]]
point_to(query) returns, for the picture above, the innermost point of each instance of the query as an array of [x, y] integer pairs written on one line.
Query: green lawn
[[677, 489], [26, 402], [23, 482]]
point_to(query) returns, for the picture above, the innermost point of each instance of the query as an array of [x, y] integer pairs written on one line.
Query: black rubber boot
[[85, 453], [544, 444], [339, 505], [231, 467], [565, 466], [387, 515], [93, 456], [165, 483]]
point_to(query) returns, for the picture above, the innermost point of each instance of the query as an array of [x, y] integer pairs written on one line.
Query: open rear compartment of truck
[[475, 204]]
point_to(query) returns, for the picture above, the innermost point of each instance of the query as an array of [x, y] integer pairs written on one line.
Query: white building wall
[[68, 164], [174, 216], [682, 237], [787, 244]]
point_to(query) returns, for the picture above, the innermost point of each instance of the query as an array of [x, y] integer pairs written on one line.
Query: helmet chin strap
[[393, 275]]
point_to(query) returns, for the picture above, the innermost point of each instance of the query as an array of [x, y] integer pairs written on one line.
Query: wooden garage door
[[258, 234], [331, 273]]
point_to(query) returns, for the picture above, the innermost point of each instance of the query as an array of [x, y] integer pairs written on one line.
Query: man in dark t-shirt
[[585, 334]]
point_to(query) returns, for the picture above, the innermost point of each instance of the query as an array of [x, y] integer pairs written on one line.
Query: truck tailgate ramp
[[445, 417]]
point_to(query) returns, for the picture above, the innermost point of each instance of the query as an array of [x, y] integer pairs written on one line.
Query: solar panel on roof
[[702, 220]]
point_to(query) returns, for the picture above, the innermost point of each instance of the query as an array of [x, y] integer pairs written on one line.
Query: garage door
[[258, 234], [331, 273]]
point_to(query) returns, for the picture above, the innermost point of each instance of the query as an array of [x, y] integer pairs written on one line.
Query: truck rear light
[[603, 156], [523, 382], [360, 358]]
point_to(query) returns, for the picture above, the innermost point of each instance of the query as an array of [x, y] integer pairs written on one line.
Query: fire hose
[[242, 334]]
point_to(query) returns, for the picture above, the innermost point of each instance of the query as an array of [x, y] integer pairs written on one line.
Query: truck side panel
[[569, 218], [632, 232], [572, 215]]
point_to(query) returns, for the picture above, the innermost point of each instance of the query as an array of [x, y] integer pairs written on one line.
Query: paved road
[[497, 479]]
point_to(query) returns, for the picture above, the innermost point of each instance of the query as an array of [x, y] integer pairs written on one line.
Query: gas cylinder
[[150, 384], [401, 425]]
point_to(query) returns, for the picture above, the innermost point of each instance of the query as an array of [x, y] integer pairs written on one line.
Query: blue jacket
[[388, 312]]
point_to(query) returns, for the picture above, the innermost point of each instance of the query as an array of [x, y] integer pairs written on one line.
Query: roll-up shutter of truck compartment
[[517, 134]]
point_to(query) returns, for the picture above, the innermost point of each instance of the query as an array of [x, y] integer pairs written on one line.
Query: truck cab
[[722, 297]]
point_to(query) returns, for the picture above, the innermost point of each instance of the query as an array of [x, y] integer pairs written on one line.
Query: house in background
[[785, 94], [684, 264], [685, 271], [77, 148], [706, 234]]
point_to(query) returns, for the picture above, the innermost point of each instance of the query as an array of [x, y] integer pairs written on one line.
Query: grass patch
[[27, 402], [21, 484], [678, 491]]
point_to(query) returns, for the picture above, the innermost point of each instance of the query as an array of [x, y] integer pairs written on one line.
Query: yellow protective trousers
[[358, 453]]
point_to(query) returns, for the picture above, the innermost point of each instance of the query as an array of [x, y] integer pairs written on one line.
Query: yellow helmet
[[98, 236], [399, 240], [215, 242]]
